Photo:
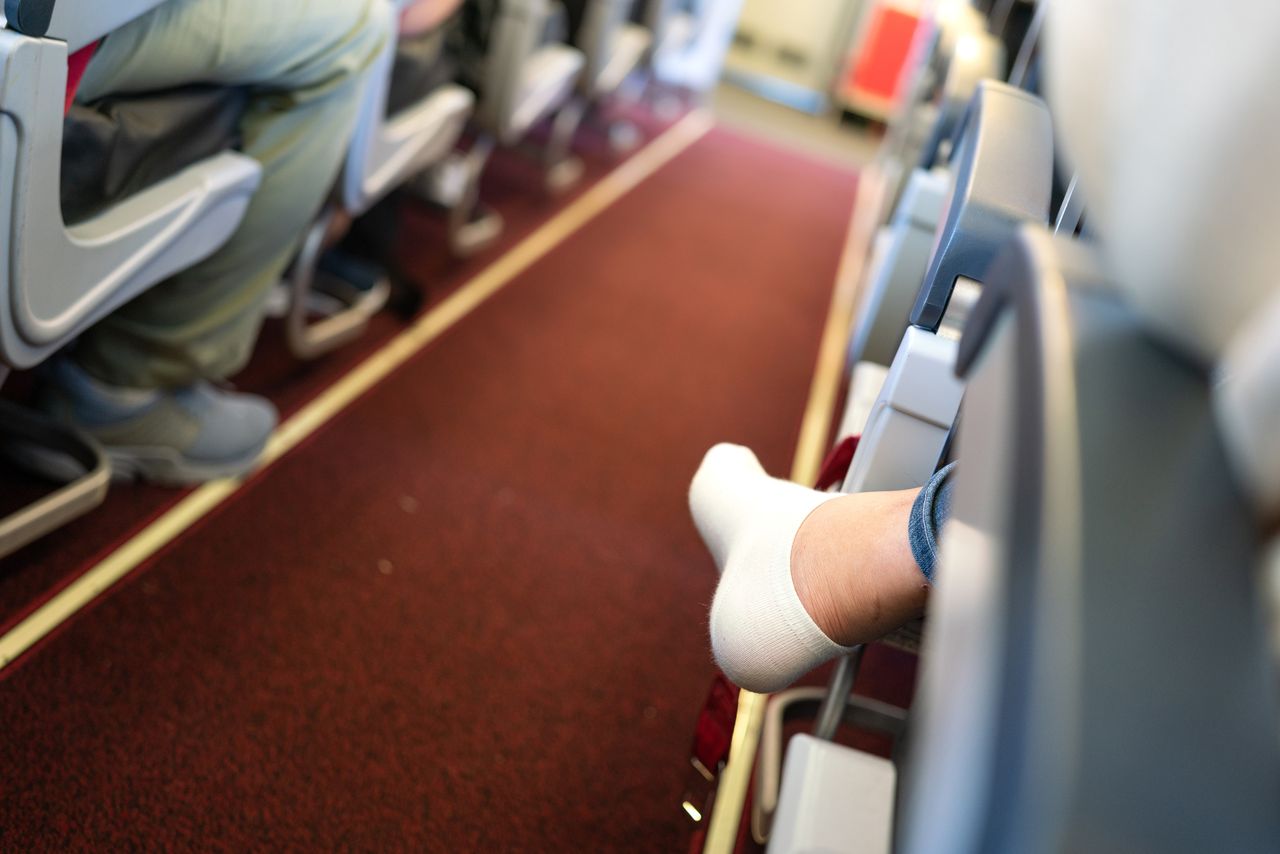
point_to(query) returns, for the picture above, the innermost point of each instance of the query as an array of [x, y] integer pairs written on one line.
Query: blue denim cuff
[[931, 508]]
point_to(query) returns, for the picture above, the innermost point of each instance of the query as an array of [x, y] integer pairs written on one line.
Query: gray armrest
[[1003, 175], [59, 280], [76, 22]]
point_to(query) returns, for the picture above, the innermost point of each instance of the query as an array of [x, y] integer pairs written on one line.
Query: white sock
[[762, 636]]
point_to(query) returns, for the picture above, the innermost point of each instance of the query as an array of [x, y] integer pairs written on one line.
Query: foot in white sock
[[762, 636]]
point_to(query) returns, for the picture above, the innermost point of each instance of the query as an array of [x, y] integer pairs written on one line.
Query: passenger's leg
[[804, 574], [139, 382], [302, 60]]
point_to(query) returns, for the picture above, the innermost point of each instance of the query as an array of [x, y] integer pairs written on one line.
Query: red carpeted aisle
[[512, 185], [468, 615]]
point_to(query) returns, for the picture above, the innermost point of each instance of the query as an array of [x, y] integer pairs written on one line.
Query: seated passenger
[[146, 380], [806, 575]]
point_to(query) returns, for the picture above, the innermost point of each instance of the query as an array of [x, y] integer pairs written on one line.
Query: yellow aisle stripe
[[811, 447], [367, 374]]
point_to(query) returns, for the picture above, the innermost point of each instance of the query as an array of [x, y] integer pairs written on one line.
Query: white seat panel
[[545, 81]]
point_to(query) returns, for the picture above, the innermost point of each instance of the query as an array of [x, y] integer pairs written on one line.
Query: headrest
[[1168, 111]]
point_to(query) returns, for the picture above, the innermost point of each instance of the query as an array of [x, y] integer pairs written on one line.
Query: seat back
[[1098, 675], [1003, 176], [612, 46], [386, 149], [525, 76], [898, 266], [1097, 601], [597, 25]]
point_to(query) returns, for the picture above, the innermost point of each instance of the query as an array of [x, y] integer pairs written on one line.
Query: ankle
[[853, 570]]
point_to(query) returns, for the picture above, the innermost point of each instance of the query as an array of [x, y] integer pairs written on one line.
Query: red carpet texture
[[511, 186], [469, 614]]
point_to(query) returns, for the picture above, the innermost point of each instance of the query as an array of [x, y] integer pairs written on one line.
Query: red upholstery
[[76, 64]]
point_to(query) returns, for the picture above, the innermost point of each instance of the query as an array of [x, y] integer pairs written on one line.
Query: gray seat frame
[[1097, 674], [1002, 178]]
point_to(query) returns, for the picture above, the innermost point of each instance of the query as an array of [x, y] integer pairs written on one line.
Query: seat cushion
[[119, 146], [423, 63]]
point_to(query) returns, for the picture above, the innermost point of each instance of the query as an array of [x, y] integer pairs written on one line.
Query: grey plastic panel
[[1101, 680], [828, 707], [59, 280], [1003, 177]]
